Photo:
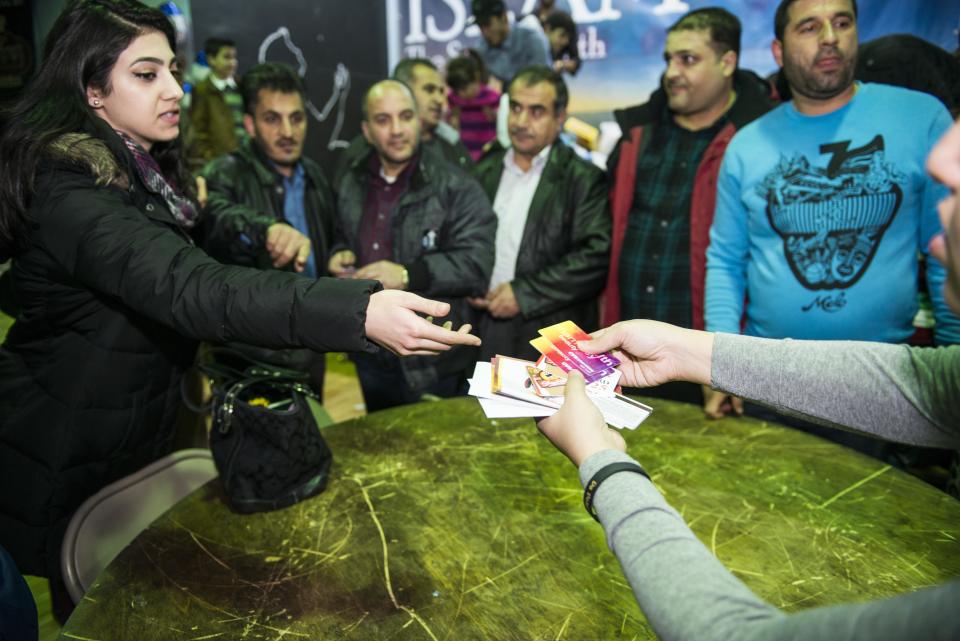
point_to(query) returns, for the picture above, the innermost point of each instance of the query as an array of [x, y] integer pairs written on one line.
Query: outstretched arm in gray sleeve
[[895, 392], [688, 595]]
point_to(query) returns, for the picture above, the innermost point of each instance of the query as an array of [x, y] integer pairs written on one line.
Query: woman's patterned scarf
[[148, 169]]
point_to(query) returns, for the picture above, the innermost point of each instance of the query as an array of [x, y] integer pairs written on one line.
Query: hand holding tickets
[[578, 428], [559, 344], [513, 388]]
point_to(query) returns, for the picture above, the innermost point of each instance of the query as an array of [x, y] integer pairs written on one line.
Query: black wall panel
[[340, 46]]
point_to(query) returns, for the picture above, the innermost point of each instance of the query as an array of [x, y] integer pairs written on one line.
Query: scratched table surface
[[441, 524]]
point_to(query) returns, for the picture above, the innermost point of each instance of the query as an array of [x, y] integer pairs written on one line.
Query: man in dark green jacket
[[269, 206], [412, 221], [553, 237]]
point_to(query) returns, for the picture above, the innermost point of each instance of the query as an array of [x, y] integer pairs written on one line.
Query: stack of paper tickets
[[513, 388]]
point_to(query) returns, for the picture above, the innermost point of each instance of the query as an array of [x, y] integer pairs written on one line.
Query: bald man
[[430, 94], [415, 222]]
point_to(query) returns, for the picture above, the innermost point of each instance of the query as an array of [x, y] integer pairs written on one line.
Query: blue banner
[[621, 41]]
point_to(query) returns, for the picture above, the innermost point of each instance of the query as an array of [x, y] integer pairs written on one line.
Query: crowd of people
[[725, 208], [677, 230]]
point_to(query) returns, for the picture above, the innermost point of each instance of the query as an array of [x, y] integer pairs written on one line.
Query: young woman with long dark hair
[[96, 212]]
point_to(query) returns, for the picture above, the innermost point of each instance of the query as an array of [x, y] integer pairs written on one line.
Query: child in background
[[216, 109], [473, 104]]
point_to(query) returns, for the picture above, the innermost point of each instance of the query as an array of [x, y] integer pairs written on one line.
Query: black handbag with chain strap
[[264, 439]]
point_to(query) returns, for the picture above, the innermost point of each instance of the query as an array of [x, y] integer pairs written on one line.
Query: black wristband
[[602, 474]]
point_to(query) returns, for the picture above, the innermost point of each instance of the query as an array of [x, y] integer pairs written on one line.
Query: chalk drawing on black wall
[[338, 95]]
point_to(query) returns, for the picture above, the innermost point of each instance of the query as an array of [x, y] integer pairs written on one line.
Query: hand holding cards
[[513, 388], [559, 344]]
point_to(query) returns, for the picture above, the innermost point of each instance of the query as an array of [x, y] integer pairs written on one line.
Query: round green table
[[441, 524]]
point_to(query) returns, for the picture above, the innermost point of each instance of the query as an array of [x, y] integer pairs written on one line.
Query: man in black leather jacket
[[412, 221], [553, 238], [268, 205]]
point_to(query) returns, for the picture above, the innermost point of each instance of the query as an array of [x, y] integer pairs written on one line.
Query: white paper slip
[[509, 408], [622, 412], [481, 374], [480, 383]]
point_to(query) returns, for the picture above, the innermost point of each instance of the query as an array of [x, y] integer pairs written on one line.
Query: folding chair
[[113, 517]]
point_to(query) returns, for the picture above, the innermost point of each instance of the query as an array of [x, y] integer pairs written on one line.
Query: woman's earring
[[96, 102]]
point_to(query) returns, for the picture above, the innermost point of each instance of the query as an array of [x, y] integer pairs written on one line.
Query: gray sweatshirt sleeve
[[898, 393], [688, 595]]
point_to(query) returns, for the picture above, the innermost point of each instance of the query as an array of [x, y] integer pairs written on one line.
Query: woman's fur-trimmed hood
[[93, 156]]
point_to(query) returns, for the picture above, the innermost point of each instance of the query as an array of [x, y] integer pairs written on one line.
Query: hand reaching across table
[[393, 323]]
